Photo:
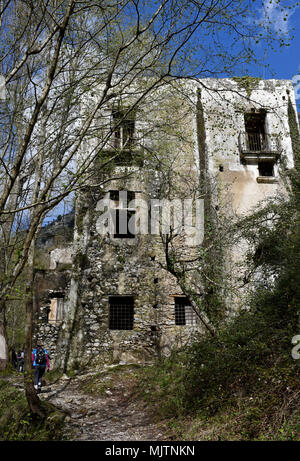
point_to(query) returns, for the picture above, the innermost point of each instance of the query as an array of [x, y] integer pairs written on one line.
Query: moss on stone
[[247, 83]]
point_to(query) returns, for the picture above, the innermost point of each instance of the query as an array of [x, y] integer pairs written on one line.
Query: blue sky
[[284, 63]]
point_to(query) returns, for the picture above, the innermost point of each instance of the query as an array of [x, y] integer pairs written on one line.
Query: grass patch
[[243, 385], [16, 423], [110, 379], [96, 385]]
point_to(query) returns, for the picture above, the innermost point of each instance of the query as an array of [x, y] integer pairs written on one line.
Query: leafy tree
[[64, 63]]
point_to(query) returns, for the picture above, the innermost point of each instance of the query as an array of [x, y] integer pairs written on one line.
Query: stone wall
[[50, 285], [198, 154], [61, 257]]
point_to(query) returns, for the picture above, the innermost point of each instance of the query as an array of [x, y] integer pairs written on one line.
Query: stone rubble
[[111, 416]]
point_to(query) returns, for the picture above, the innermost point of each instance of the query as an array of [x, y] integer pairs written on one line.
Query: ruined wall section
[[190, 145], [238, 186], [50, 285], [104, 266], [224, 112]]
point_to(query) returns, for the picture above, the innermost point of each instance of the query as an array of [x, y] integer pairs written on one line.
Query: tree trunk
[[34, 402], [4, 359], [4, 356]]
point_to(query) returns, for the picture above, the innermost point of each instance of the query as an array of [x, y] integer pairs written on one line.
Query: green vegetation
[[112, 378], [96, 385], [244, 383], [16, 423], [247, 83]]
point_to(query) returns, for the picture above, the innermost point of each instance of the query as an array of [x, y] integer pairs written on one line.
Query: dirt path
[[112, 415]]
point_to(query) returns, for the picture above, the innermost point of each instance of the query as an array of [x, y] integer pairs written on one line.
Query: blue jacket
[[47, 364]]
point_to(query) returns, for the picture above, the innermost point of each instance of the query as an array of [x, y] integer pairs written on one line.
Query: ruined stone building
[[108, 295]]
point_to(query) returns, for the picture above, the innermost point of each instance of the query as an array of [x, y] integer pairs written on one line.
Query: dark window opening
[[121, 220], [266, 169], [56, 294], [121, 313], [114, 195], [123, 216], [255, 131], [184, 313], [123, 129]]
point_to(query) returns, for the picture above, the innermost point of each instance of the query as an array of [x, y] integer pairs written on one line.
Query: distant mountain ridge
[[57, 232]]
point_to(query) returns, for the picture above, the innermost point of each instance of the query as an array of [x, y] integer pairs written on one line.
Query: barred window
[[184, 313], [255, 130], [121, 312]]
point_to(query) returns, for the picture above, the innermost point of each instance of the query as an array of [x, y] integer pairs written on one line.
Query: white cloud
[[273, 13], [296, 82]]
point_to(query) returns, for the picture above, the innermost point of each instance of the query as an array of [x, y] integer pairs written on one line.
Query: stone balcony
[[258, 147]]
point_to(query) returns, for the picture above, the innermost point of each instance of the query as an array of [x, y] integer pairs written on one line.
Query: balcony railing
[[257, 146]]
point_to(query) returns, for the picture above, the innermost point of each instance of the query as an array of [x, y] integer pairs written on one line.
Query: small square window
[[121, 313], [184, 313], [266, 169], [114, 195]]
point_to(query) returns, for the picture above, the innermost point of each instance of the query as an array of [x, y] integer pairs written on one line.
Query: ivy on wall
[[247, 83]]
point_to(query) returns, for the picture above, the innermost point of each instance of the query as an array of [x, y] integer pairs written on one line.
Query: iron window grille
[[184, 313], [121, 313], [255, 144]]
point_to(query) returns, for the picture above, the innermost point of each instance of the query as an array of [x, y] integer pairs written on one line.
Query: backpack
[[40, 356]]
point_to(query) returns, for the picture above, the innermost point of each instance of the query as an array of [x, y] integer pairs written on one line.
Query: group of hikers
[[40, 362], [17, 359]]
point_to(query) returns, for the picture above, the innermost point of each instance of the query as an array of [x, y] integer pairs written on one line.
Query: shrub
[[16, 423]]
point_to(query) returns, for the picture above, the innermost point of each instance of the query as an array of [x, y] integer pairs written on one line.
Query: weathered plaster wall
[[60, 256], [224, 105], [224, 119]]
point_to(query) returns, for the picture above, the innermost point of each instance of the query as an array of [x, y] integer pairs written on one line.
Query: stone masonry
[[233, 133]]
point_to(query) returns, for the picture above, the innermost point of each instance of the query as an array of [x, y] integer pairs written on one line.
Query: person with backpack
[[40, 361], [14, 359], [20, 358]]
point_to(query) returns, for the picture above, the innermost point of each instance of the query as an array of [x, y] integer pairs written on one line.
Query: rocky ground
[[107, 413]]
